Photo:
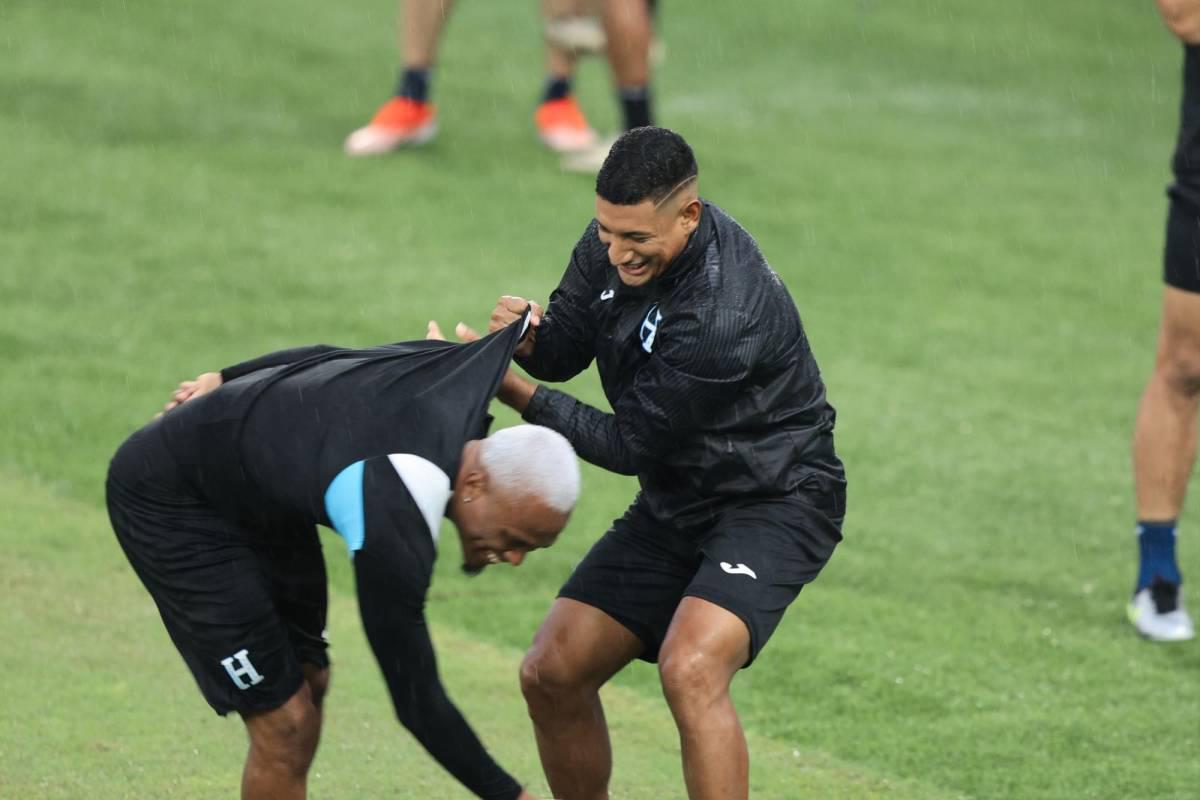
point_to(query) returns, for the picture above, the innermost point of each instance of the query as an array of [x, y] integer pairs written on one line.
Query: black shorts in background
[[244, 609], [752, 562], [1181, 255]]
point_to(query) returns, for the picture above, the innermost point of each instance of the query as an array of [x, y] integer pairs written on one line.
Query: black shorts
[[752, 562], [1181, 255], [245, 609]]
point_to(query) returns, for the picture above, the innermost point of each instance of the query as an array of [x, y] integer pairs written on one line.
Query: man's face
[[644, 239], [497, 529]]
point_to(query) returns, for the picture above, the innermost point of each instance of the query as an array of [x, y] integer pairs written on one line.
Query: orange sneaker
[[398, 122], [562, 127]]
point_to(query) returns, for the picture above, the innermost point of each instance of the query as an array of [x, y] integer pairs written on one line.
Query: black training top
[[1186, 161], [367, 442], [267, 443], [715, 392]]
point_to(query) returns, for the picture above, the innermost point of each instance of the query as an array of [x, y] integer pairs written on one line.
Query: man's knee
[[286, 737], [1179, 364], [1182, 19], [691, 680], [545, 677], [577, 649]]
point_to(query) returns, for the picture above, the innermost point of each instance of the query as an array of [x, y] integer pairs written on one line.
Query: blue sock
[[1156, 549]]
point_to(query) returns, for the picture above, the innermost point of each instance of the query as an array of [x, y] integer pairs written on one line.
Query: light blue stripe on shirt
[[344, 505]]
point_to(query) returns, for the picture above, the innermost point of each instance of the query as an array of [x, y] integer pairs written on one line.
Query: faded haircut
[[646, 164], [532, 460]]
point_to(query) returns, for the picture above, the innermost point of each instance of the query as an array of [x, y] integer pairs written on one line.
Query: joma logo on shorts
[[244, 669], [740, 569]]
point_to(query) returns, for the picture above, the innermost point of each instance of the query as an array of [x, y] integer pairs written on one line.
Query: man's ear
[[474, 484], [689, 214]]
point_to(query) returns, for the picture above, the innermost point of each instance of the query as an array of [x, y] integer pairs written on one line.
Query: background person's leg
[[1164, 442], [705, 647], [421, 23], [575, 651], [408, 118], [1164, 453], [560, 122], [629, 29]]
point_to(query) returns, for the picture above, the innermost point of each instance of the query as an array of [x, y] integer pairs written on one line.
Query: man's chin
[[472, 570]]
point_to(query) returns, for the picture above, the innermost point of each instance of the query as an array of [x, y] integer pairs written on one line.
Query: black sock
[[635, 105], [556, 89], [414, 84]]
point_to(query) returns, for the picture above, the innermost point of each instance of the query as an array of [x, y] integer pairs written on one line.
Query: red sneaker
[[562, 127], [398, 123]]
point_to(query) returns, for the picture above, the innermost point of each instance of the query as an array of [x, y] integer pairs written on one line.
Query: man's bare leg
[[575, 651], [629, 28], [283, 742], [408, 117], [317, 679], [704, 648], [421, 23], [1164, 453], [1164, 441]]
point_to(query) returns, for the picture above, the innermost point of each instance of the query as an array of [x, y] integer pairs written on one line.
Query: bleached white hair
[[533, 460]]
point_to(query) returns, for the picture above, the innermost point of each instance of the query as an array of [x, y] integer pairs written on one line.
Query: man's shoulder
[[730, 240], [400, 491], [428, 485], [723, 222], [736, 270], [590, 256]]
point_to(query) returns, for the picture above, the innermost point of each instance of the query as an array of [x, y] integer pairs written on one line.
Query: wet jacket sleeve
[[392, 572], [700, 360], [564, 340], [277, 359]]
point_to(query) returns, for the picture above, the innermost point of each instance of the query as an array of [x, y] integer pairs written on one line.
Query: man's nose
[[616, 254]]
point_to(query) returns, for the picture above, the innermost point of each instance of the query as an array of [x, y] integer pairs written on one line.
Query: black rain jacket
[[715, 392]]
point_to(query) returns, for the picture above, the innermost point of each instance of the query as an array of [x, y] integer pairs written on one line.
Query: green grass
[[964, 198]]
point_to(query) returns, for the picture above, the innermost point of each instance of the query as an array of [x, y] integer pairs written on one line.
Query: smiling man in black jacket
[[720, 412]]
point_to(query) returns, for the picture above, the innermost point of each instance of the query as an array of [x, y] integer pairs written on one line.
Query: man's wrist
[[516, 392]]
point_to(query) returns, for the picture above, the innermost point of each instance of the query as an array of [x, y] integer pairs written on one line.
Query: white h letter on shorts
[[245, 670]]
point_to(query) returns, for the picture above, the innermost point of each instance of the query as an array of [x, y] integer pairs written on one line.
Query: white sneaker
[[589, 161], [1158, 614]]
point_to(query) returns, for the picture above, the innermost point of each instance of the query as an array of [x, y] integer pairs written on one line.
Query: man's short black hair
[[645, 164]]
